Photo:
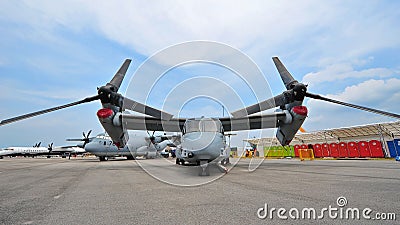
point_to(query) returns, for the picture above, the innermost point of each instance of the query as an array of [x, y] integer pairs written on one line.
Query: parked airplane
[[203, 140], [139, 144], [86, 139], [37, 150]]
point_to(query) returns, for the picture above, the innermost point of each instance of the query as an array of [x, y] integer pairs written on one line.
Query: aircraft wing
[[66, 149], [253, 122], [132, 122]]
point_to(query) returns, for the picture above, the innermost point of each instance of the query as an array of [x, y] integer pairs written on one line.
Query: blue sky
[[54, 52]]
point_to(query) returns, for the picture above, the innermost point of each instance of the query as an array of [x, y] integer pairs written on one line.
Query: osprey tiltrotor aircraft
[[203, 139]]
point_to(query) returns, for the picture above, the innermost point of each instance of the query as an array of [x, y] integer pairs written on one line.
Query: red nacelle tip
[[117, 144], [105, 113], [301, 110]]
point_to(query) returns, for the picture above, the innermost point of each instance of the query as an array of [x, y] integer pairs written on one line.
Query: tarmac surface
[[86, 191]]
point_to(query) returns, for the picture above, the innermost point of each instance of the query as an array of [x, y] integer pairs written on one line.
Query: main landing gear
[[130, 157], [103, 158], [179, 161]]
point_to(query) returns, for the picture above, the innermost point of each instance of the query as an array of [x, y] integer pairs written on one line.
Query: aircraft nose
[[90, 147]]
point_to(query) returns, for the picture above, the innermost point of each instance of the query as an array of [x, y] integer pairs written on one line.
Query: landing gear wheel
[[179, 161], [103, 158], [130, 157]]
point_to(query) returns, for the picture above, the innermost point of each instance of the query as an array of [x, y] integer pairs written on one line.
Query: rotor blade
[[119, 76], [29, 115], [319, 97], [258, 107], [141, 108], [287, 78]]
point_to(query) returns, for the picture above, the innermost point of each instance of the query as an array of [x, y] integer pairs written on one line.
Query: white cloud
[[262, 27], [344, 71], [379, 94]]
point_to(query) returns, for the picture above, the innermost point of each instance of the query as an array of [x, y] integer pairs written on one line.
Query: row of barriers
[[360, 149], [352, 149]]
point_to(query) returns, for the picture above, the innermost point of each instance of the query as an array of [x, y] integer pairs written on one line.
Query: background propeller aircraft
[[202, 140], [139, 144]]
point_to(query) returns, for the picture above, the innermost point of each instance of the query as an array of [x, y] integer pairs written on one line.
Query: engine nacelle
[[287, 131], [112, 124]]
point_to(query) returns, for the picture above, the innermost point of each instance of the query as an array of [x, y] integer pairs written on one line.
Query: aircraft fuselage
[[201, 146], [138, 145]]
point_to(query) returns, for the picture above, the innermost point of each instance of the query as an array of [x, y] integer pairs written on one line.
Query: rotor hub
[[299, 91], [107, 95]]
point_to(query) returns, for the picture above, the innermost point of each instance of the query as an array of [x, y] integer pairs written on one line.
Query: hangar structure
[[388, 134]]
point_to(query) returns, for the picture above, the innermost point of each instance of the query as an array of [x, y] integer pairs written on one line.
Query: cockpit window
[[202, 125]]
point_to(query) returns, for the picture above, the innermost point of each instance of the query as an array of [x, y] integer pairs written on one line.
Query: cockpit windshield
[[203, 125]]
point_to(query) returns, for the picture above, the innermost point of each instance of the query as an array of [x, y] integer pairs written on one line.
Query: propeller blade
[[258, 107], [50, 147], [88, 135], [116, 81], [286, 77], [149, 138], [319, 97], [295, 92], [74, 139], [141, 108], [107, 94], [29, 115]]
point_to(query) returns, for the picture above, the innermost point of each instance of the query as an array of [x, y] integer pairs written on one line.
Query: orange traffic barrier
[[305, 153]]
